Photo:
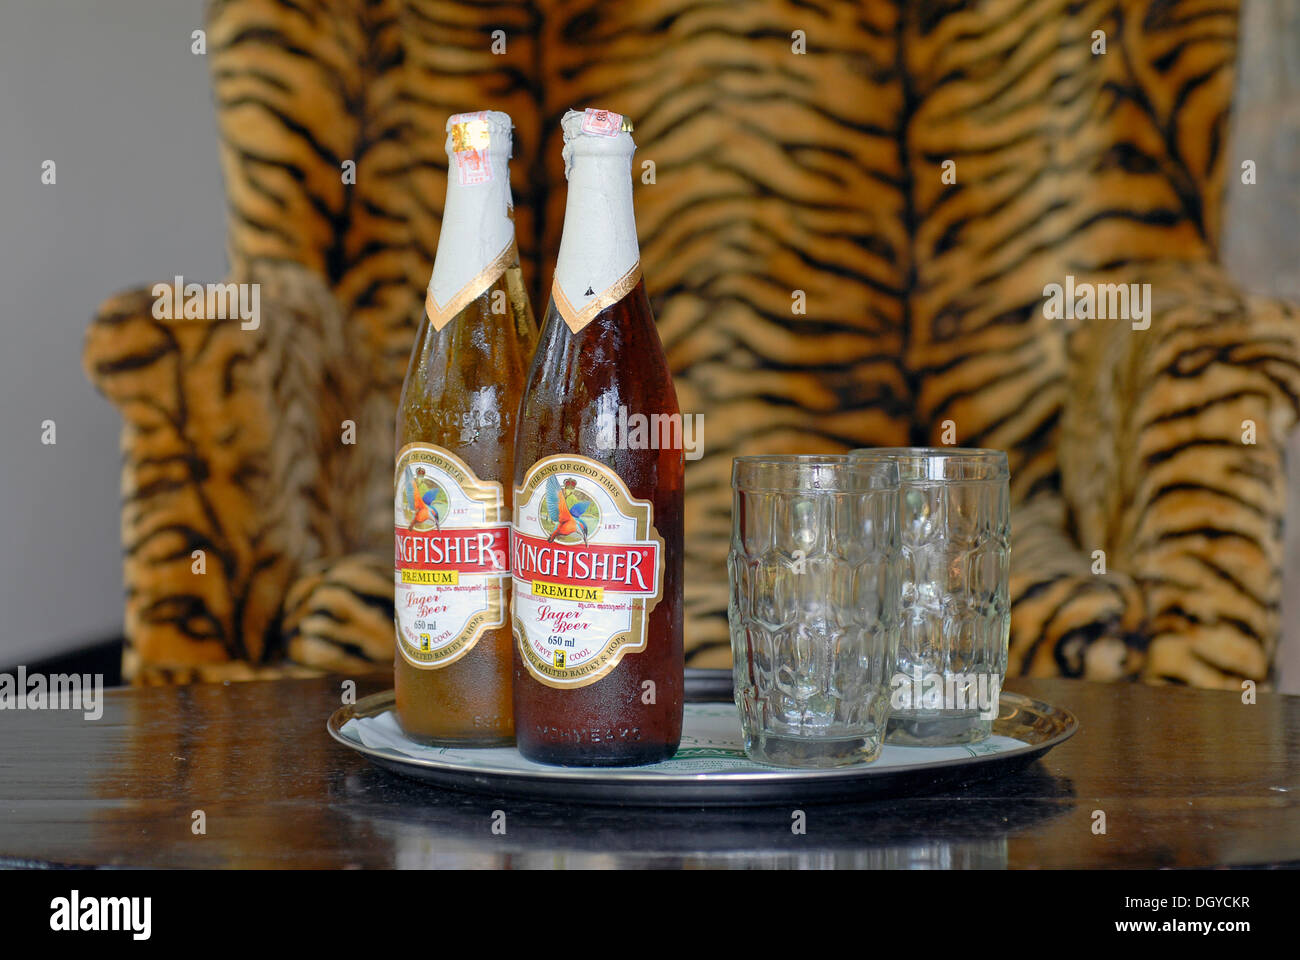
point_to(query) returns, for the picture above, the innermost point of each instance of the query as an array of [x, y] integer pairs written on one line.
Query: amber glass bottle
[[597, 541], [455, 432]]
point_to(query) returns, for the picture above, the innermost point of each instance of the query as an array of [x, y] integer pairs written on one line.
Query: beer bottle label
[[452, 562], [588, 569]]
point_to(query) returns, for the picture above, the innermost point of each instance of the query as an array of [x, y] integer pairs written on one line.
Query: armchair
[[848, 216]]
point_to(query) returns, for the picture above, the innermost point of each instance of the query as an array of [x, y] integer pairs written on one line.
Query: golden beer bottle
[[455, 433], [596, 549]]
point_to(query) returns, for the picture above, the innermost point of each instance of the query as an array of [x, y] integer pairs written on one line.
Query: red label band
[[618, 568], [484, 550]]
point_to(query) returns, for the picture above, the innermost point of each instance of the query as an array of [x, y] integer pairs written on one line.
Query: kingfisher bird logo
[[568, 514], [424, 503]]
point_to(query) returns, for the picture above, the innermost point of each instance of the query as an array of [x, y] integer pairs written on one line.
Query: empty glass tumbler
[[955, 615], [814, 567]]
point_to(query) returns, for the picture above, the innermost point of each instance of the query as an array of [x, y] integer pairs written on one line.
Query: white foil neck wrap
[[477, 240], [599, 260]]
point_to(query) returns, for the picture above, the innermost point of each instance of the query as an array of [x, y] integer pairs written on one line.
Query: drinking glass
[[955, 616], [814, 568]]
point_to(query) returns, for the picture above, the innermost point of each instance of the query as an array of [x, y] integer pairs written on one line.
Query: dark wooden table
[[1184, 777]]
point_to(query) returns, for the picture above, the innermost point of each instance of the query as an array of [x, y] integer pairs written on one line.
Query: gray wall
[[112, 94]]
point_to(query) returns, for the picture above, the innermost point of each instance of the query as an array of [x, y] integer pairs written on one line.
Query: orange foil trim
[[440, 316], [577, 319]]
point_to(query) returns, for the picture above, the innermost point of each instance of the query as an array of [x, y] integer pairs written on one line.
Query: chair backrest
[[847, 221]]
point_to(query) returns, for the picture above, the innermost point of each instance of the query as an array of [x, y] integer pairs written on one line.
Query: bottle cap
[[595, 132], [474, 140]]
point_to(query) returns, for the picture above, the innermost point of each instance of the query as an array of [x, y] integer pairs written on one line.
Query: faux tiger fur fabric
[[848, 214], [311, 109], [1165, 471], [234, 474]]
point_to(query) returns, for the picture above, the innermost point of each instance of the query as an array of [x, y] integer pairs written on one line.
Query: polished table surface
[[1183, 777]]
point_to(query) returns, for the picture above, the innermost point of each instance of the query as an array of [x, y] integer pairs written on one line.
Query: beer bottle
[[455, 431], [597, 542]]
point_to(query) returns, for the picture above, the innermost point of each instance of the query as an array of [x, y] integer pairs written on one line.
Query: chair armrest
[[338, 616], [1065, 619], [1172, 463], [234, 474]]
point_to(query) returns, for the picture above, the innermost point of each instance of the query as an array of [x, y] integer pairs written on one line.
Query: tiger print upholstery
[[1193, 509], [848, 214], [233, 470]]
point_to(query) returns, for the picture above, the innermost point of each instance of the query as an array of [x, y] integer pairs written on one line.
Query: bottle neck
[[599, 260], [476, 242]]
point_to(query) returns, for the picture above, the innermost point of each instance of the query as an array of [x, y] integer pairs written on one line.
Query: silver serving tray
[[710, 769]]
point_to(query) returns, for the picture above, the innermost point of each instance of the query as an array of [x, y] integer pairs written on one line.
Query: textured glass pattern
[[955, 617], [814, 567]]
